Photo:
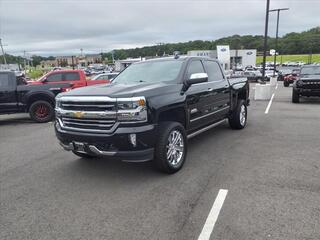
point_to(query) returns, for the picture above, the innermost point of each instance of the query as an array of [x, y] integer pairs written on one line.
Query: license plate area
[[78, 146]]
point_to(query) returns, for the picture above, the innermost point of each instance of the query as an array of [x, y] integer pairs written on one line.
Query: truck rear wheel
[[238, 119], [295, 96], [171, 147], [41, 111]]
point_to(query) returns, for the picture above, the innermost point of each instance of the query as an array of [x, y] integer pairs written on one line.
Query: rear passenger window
[[71, 76], [214, 71], [195, 67]]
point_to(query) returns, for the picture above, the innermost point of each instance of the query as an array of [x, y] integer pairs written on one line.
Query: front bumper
[[116, 145], [309, 92]]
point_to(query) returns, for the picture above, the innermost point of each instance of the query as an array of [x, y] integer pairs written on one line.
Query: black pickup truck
[[150, 110], [307, 83], [16, 96]]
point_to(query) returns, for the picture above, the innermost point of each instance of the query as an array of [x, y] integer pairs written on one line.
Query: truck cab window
[[71, 76], [195, 67], [4, 80], [55, 77], [214, 71]]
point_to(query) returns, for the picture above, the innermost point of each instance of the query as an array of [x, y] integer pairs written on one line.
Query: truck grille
[[88, 106], [311, 84], [83, 114]]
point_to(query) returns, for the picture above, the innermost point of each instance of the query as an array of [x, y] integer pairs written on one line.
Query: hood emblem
[[78, 114]]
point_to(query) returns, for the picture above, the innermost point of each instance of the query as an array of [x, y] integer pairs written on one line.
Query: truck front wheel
[[41, 111], [238, 119], [295, 96], [171, 147], [286, 84]]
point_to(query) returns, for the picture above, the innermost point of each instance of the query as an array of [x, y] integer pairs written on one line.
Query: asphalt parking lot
[[271, 170]]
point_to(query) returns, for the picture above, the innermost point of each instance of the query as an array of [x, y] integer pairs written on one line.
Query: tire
[[172, 164], [286, 84], [41, 111], [238, 119], [83, 155], [295, 96]]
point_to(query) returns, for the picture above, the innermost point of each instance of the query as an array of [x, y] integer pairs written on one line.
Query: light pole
[[277, 31], [3, 53], [265, 41]]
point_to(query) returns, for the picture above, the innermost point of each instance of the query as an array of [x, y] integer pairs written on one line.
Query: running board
[[206, 128]]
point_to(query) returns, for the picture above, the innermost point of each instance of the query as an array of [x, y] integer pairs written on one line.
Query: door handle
[[210, 89]]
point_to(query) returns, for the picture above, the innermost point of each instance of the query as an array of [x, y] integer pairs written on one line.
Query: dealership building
[[229, 57]]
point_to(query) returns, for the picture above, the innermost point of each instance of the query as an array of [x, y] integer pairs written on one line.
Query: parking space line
[[213, 215], [269, 104], [277, 86]]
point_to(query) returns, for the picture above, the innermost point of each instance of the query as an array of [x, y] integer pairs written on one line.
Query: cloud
[[56, 27]]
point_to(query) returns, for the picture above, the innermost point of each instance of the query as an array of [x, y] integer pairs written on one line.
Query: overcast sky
[[60, 27]]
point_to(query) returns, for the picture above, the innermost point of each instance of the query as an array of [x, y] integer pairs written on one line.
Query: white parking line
[[277, 86], [213, 215], [269, 104]]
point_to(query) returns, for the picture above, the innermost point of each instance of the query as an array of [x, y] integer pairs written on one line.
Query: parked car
[[150, 110], [307, 83], [253, 74], [290, 78], [105, 76], [283, 73], [75, 78], [16, 96]]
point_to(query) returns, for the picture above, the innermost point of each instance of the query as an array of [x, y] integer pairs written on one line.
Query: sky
[[63, 27]]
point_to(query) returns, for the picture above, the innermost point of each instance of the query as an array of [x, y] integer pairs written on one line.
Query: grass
[[34, 73], [291, 58]]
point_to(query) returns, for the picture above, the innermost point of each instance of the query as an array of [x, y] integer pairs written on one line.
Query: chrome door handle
[[210, 89]]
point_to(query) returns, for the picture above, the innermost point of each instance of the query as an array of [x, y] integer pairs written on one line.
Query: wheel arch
[[43, 96]]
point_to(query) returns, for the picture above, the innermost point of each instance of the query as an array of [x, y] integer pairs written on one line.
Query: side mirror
[[44, 80], [197, 78]]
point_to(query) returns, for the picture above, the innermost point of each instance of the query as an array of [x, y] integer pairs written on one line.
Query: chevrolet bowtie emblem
[[78, 114]]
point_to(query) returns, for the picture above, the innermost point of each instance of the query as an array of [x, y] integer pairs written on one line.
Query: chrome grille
[[87, 114], [88, 106]]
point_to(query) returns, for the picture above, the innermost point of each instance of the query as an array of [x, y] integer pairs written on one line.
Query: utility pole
[[24, 60], [4, 55], [277, 32], [265, 45]]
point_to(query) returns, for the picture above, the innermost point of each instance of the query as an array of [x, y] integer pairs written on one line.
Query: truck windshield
[[150, 72], [314, 70]]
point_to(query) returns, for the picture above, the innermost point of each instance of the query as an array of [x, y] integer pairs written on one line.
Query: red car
[[76, 79], [287, 80]]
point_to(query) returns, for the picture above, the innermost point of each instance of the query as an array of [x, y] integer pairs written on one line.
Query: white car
[[105, 76]]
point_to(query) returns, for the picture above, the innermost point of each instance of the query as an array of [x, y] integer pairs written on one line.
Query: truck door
[[219, 90], [74, 79], [8, 101], [198, 98]]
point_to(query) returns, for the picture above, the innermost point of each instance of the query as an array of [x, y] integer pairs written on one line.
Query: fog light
[[133, 139]]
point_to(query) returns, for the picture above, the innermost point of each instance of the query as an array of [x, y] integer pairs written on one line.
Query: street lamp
[[277, 31]]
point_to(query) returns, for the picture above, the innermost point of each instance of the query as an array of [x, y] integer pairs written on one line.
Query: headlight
[[132, 109], [58, 103], [299, 83]]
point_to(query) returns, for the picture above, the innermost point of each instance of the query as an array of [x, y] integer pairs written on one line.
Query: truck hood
[[115, 90], [310, 78]]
